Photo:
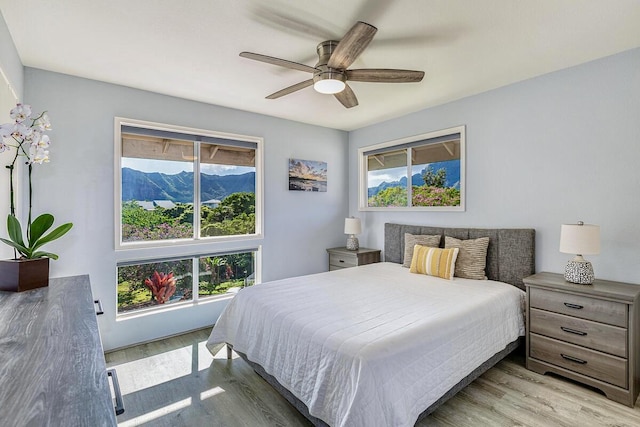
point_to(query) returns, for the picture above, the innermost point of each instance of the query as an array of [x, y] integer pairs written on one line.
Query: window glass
[[184, 199], [157, 199], [223, 274], [154, 284], [435, 181], [423, 172], [176, 185], [227, 190], [387, 178]]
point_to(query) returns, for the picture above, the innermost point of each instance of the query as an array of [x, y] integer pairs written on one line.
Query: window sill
[[172, 307]]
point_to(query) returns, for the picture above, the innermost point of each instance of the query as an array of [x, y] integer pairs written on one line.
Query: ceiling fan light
[[329, 81], [329, 86]]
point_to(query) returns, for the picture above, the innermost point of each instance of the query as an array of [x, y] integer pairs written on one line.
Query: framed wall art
[[307, 175]]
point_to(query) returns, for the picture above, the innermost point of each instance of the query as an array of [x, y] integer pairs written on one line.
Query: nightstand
[[588, 333], [344, 258]]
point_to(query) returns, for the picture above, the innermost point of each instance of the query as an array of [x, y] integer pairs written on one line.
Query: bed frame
[[510, 258]]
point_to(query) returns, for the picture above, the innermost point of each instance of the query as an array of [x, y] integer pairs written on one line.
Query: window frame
[[196, 298], [394, 144], [119, 122]]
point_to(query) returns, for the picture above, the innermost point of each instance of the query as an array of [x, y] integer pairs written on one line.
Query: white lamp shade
[[580, 239], [352, 226], [329, 86]]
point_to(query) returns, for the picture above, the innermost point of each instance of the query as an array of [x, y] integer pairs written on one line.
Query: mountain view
[[453, 178], [178, 188]]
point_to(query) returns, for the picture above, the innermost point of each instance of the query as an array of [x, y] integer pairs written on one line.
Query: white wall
[[555, 149], [78, 186], [13, 72], [9, 59]]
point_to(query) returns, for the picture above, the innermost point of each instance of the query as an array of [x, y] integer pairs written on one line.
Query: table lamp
[[579, 239], [352, 227]]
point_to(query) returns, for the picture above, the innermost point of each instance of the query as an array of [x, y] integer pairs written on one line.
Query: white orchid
[[20, 113], [38, 154], [6, 130], [22, 133], [42, 123], [43, 142], [33, 137], [29, 140]]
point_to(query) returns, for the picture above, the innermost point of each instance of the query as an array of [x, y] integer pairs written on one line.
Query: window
[[425, 172], [185, 198], [144, 285], [185, 185]]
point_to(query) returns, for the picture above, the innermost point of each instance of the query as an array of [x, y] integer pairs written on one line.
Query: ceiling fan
[[330, 75]]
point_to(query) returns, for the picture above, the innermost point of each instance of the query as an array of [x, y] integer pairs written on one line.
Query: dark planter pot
[[17, 275]]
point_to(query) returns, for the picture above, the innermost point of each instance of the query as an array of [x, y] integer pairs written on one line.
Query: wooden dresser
[[588, 333], [344, 258], [52, 367]]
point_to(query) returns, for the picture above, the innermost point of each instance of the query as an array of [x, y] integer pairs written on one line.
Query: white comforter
[[373, 345]]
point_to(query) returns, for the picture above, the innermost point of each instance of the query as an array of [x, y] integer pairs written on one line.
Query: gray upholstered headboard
[[510, 256]]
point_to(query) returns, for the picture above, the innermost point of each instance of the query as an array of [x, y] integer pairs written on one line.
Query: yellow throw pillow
[[434, 261]]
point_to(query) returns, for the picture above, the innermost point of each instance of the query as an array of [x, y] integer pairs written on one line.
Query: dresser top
[[53, 368], [603, 288]]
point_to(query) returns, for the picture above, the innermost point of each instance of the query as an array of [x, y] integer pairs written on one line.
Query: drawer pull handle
[[576, 306], [573, 359], [100, 310], [341, 260], [573, 331], [119, 408]]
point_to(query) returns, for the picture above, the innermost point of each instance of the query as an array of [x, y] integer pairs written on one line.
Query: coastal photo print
[[307, 175]]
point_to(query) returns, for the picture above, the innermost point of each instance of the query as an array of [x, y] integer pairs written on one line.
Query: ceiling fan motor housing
[[325, 49]]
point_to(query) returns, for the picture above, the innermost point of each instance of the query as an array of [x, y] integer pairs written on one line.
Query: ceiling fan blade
[[382, 75], [352, 45], [295, 21], [291, 89], [347, 97], [277, 61]]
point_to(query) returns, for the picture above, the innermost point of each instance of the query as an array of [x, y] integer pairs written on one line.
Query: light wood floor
[[177, 382]]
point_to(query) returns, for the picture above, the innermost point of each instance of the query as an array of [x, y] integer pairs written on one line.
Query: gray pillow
[[472, 257], [410, 240]]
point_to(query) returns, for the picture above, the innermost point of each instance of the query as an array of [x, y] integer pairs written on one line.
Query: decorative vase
[[17, 275], [352, 243]]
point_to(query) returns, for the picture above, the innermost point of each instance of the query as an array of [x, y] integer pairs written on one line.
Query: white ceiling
[[190, 48]]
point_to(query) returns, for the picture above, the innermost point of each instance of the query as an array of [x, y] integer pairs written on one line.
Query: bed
[[376, 344]]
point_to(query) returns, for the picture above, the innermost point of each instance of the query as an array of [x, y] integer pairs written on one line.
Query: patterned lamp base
[[580, 272], [352, 243]]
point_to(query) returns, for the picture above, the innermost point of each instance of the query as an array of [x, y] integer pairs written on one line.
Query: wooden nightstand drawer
[[597, 336], [342, 260], [345, 258], [604, 367], [610, 312], [588, 333]]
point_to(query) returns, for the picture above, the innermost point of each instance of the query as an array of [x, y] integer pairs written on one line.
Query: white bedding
[[373, 345]]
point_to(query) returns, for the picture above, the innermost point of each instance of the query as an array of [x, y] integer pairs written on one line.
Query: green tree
[[434, 179], [135, 215], [181, 213], [235, 215], [234, 205], [392, 196]]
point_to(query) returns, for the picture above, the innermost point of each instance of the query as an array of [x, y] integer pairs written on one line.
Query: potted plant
[[30, 267]]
